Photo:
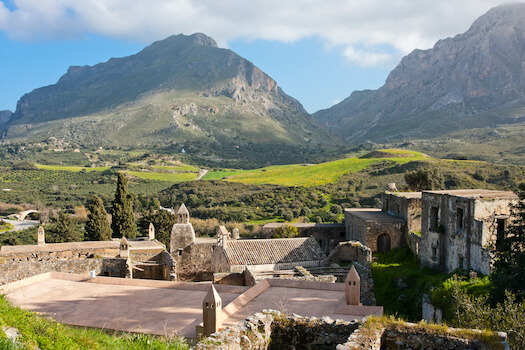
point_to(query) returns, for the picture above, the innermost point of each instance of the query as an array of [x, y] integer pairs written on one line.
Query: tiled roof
[[272, 251]]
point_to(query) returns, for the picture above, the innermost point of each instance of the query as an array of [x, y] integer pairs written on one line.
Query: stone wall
[[194, 262], [67, 254], [346, 252], [367, 230], [456, 229], [235, 279], [430, 313], [273, 330], [401, 336], [414, 242], [156, 266], [406, 205], [15, 271], [326, 235]]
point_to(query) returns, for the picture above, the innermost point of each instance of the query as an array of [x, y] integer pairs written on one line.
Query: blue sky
[[318, 52]]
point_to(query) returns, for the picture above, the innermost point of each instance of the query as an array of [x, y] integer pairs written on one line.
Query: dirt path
[[201, 174]]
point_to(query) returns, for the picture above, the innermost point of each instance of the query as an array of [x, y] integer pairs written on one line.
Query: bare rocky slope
[[183, 90], [474, 80]]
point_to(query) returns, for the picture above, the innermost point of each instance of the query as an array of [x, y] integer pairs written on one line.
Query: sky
[[317, 51]]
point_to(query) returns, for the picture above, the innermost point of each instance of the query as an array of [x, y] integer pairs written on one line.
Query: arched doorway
[[383, 243]]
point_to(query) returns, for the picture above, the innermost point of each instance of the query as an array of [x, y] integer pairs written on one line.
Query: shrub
[[286, 231]]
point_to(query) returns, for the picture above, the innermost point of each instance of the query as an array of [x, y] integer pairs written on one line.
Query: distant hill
[[181, 93], [474, 80]]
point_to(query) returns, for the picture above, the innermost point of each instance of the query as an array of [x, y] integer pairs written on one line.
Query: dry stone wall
[[272, 330], [401, 336]]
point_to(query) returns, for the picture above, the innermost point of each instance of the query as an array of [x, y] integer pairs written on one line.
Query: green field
[[182, 167], [309, 174], [70, 168], [178, 177]]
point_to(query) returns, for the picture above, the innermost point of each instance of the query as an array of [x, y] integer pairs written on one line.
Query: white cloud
[[370, 58], [360, 28]]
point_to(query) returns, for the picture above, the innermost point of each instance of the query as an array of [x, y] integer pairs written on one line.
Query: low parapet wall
[[16, 271]]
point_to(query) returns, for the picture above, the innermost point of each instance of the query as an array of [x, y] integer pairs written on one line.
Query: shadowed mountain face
[[474, 80], [180, 89], [4, 116]]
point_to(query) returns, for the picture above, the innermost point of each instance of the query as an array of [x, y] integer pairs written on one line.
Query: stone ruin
[[273, 330]]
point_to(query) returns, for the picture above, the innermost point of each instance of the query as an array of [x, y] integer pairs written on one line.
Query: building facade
[[457, 226]]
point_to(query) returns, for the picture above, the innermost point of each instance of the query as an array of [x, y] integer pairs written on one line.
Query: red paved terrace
[[164, 308]]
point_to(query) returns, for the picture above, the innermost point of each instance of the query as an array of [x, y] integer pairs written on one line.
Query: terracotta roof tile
[[272, 251]]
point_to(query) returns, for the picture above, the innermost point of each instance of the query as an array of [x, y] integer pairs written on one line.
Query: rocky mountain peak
[[472, 73]]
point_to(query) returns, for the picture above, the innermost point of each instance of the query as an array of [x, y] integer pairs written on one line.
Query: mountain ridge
[[454, 82], [180, 90]]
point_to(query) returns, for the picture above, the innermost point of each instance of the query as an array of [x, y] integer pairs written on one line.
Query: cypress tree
[[509, 264], [123, 222], [97, 226], [64, 230]]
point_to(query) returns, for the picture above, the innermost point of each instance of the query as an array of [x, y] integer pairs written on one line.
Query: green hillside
[[310, 174]]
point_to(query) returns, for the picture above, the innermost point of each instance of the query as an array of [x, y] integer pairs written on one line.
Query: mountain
[[4, 117], [474, 80], [178, 91]]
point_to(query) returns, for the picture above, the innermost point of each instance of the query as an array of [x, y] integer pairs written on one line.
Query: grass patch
[[5, 226], [308, 174], [182, 167], [399, 285], [178, 177], [71, 168], [39, 332]]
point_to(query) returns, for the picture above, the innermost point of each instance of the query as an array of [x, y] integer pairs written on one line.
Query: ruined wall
[[273, 330], [349, 252], [194, 262], [400, 336], [407, 208], [153, 264], [396, 231], [367, 231], [15, 271], [234, 279], [464, 226], [413, 242]]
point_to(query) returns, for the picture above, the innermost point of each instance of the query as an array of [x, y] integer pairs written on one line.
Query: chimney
[[212, 312], [183, 215], [222, 236], [151, 232], [41, 236], [124, 248], [353, 287]]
